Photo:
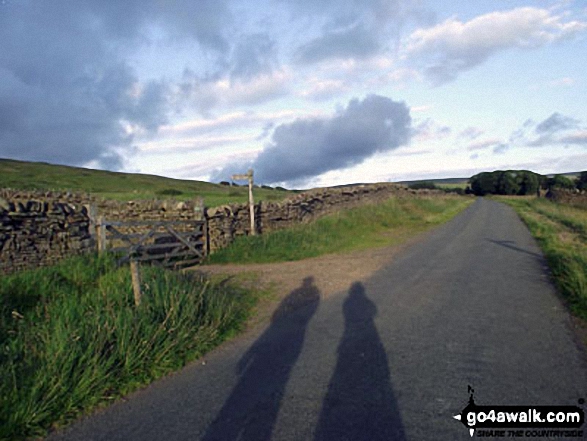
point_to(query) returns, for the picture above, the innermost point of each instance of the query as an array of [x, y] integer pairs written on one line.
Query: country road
[[389, 358]]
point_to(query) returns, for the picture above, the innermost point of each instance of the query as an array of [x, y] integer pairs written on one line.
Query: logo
[[522, 421]]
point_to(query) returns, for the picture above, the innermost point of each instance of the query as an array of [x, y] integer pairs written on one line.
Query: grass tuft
[[71, 337]]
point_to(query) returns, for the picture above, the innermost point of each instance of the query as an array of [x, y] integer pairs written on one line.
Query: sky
[[307, 93]]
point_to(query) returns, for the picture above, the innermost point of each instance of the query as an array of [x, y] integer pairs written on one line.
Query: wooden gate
[[168, 243]]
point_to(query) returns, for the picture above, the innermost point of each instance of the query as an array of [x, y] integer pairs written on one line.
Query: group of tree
[[522, 182]]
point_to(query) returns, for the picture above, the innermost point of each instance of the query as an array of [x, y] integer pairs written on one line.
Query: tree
[[506, 183], [484, 183], [529, 183], [581, 182], [560, 181]]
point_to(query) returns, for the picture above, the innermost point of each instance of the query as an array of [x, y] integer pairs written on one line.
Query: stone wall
[[41, 228], [572, 197], [225, 223]]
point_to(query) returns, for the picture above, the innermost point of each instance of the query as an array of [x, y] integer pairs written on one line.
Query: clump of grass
[[560, 230], [364, 227], [71, 337], [170, 192]]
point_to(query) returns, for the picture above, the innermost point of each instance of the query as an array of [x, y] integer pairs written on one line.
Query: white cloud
[[482, 145], [227, 91], [579, 138], [193, 143], [321, 89], [454, 46], [471, 133]]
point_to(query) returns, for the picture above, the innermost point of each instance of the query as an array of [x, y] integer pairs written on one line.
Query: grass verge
[[71, 338], [359, 228], [560, 230]]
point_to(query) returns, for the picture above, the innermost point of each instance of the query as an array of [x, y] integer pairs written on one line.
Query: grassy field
[[365, 227], [123, 186], [561, 231], [71, 338]]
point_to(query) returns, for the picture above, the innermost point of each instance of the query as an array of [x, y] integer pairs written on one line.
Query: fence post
[[92, 215], [251, 203], [101, 229], [136, 281], [249, 177]]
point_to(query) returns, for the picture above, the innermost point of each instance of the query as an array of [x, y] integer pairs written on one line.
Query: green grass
[[560, 230], [71, 338], [124, 186], [365, 227]]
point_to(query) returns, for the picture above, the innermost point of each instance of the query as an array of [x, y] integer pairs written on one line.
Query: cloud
[[253, 55], [550, 130], [556, 123], [184, 145], [206, 94], [557, 129], [453, 46], [500, 149], [482, 145], [68, 96], [319, 89], [429, 130], [471, 133], [309, 147], [357, 42], [352, 29], [579, 138]]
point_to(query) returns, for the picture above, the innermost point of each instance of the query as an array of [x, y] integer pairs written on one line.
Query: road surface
[[390, 358]]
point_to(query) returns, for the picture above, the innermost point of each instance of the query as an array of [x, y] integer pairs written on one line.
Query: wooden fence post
[[249, 177], [136, 281], [101, 229], [251, 203], [93, 216]]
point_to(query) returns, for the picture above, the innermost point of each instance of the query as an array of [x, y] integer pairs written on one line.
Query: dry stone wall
[[572, 197], [41, 228], [227, 222]]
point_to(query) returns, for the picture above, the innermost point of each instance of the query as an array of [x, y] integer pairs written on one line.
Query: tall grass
[[364, 227], [71, 337], [560, 230]]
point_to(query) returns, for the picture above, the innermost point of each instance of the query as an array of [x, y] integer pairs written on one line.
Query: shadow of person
[[360, 403], [250, 411]]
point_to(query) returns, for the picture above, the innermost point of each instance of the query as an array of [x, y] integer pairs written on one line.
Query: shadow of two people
[[359, 403]]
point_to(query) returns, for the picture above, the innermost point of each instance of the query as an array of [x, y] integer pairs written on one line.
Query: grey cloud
[[357, 42], [66, 95], [307, 148], [576, 138], [354, 28], [428, 129], [266, 130], [500, 149], [253, 54], [555, 123], [551, 128], [471, 133], [554, 130]]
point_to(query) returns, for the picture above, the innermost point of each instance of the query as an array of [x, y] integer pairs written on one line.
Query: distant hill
[[445, 182], [462, 182], [122, 186]]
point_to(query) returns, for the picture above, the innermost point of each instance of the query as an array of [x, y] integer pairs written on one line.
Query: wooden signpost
[[248, 177]]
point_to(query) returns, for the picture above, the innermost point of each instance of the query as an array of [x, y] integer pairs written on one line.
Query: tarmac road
[[391, 358]]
